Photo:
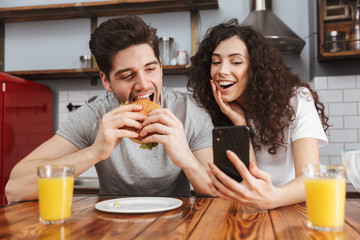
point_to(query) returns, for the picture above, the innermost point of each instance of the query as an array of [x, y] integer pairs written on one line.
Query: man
[[127, 53]]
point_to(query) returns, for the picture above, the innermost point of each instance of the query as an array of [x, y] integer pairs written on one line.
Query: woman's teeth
[[226, 84]]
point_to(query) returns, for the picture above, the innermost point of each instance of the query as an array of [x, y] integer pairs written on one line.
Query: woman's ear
[[105, 82]]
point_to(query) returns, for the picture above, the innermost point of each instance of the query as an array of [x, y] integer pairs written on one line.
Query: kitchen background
[[58, 44]]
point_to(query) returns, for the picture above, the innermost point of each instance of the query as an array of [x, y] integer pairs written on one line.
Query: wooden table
[[197, 218]]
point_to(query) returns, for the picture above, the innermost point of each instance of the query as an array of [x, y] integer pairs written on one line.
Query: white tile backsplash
[[358, 81], [342, 82], [341, 97], [352, 122], [319, 83], [331, 96], [63, 95], [79, 96], [352, 145], [352, 95], [336, 122], [337, 160], [341, 109], [332, 149], [343, 135]]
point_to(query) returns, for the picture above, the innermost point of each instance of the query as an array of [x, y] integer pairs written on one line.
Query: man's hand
[[165, 128], [111, 128]]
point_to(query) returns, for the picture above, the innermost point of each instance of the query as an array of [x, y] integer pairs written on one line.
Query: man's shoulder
[[177, 97], [102, 103], [182, 104]]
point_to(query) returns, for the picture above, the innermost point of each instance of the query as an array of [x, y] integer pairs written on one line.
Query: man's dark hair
[[117, 34]]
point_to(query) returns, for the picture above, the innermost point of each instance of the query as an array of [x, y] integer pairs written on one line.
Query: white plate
[[138, 204]]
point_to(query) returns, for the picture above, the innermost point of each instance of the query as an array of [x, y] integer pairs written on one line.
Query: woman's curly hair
[[270, 88]]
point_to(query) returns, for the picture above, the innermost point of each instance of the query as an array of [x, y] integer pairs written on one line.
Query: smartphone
[[236, 139]]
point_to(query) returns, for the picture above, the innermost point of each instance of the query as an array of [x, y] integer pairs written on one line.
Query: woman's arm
[[305, 151]]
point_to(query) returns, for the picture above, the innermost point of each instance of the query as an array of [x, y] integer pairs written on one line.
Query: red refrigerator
[[25, 122]]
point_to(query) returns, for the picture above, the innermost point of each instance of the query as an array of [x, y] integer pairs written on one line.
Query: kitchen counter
[[86, 185]]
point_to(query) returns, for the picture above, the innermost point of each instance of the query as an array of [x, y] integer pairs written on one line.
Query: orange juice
[[325, 202], [55, 198]]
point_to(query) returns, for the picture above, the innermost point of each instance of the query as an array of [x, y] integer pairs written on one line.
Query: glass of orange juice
[[325, 189], [56, 184]]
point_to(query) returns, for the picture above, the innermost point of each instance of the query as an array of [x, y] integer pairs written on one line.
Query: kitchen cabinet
[[335, 24], [93, 10]]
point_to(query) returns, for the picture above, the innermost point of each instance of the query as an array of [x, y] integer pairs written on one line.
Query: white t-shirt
[[307, 124]]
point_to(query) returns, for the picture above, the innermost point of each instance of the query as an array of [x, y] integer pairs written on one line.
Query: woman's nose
[[224, 68]]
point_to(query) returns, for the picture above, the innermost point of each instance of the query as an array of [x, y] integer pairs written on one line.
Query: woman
[[241, 79]]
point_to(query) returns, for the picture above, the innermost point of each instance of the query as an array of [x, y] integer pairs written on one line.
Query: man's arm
[[22, 184]]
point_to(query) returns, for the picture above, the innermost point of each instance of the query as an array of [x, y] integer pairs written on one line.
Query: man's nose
[[142, 82]]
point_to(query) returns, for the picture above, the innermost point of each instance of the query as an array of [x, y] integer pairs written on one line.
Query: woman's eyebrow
[[230, 55]]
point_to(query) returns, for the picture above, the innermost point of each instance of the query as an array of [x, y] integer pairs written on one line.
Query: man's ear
[[105, 82]]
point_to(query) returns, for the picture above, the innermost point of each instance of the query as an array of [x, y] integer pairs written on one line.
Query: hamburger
[[148, 106]]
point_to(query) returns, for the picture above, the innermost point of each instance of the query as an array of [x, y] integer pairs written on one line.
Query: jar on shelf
[[181, 57], [335, 41], [354, 40], [165, 44], [86, 61]]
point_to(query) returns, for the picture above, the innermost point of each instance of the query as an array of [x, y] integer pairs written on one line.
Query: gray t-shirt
[[130, 170]]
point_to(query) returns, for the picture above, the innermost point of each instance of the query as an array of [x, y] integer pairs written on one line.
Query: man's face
[[136, 73]]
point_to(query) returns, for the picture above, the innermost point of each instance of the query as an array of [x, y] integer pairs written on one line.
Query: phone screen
[[236, 139]]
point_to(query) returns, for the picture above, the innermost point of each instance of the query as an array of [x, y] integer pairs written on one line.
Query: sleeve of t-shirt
[[203, 130], [307, 122], [79, 127]]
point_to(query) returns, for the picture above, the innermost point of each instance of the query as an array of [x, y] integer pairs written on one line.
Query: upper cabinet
[[338, 29], [93, 10]]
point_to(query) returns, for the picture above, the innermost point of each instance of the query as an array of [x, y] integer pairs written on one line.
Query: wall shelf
[[93, 10], [101, 9], [335, 16], [86, 73]]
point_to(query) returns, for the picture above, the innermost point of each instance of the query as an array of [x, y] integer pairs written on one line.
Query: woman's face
[[229, 69]]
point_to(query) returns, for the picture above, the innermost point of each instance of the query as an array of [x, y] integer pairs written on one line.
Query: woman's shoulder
[[301, 94]]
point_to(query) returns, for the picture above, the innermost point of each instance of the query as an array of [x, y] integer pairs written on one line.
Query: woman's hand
[[232, 110], [256, 189]]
